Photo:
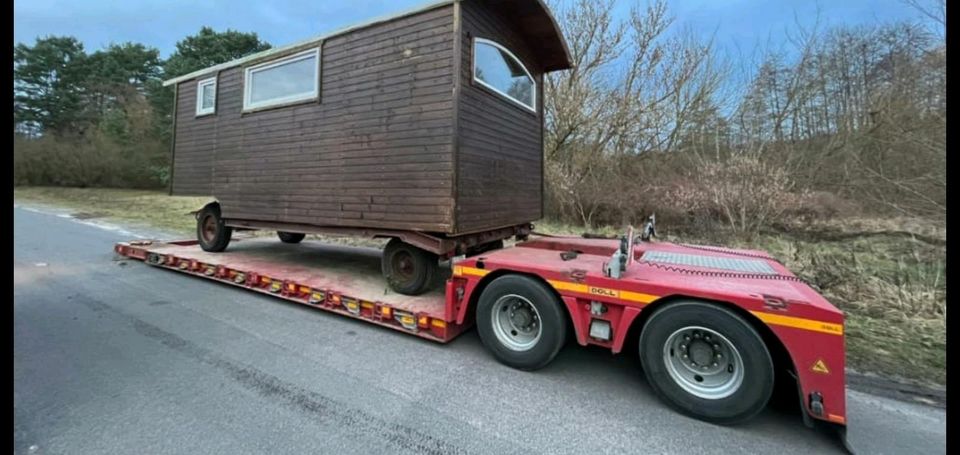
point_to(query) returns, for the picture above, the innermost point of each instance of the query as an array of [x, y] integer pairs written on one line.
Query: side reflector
[[408, 321], [351, 305], [439, 323], [423, 321], [386, 312]]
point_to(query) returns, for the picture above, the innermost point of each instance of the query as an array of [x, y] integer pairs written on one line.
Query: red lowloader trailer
[[715, 327]]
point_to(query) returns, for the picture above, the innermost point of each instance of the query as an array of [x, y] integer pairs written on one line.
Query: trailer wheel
[[707, 361], [521, 322], [290, 237], [408, 270], [212, 233]]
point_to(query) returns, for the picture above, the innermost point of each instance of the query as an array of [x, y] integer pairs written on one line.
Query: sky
[[735, 24]]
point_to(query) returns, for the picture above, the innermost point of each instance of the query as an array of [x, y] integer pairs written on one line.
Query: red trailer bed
[[716, 325], [341, 279]]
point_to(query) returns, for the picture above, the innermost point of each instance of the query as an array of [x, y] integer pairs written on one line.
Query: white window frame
[[491, 87], [200, 85], [248, 72]]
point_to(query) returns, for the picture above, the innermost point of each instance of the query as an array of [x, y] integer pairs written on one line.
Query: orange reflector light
[[423, 321], [291, 287], [304, 289], [386, 311], [367, 305], [265, 279], [439, 323], [335, 298]]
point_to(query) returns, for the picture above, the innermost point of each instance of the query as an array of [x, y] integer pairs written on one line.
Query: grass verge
[[891, 286]]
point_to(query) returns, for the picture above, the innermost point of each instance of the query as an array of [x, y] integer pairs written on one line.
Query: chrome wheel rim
[[516, 322], [703, 362]]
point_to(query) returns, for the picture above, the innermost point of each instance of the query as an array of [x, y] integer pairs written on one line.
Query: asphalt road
[[117, 357]]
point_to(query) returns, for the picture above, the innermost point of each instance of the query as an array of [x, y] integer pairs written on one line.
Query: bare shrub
[[743, 191]]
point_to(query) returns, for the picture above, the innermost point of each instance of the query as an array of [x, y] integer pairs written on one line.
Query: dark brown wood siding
[[500, 153], [194, 142], [375, 151]]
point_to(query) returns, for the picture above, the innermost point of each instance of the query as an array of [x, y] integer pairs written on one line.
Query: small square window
[[207, 96]]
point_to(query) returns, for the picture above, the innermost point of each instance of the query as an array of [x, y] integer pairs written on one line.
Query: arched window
[[499, 70]]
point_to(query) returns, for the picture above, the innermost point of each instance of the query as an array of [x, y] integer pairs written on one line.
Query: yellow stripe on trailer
[[800, 323], [460, 270], [604, 292]]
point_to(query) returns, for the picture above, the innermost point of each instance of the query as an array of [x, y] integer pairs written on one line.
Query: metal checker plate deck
[[710, 262]]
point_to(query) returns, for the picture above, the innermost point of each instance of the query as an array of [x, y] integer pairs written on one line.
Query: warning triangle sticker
[[820, 367]]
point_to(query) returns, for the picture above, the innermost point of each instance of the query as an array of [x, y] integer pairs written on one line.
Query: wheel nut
[[684, 356], [719, 356], [696, 334], [683, 346], [716, 346], [686, 337]]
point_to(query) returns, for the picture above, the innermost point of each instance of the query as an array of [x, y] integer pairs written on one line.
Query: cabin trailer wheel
[[212, 233], [408, 270], [707, 362], [290, 237], [521, 322]]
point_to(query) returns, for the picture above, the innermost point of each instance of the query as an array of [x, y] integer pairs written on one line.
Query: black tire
[[745, 400], [212, 233], [551, 316], [290, 237], [408, 270]]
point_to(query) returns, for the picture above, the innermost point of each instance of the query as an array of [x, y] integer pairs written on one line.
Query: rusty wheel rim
[[208, 228], [403, 265]]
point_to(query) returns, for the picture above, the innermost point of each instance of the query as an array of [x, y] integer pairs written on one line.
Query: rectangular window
[[207, 96], [291, 79]]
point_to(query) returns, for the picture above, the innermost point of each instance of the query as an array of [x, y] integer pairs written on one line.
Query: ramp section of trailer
[[339, 279]]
